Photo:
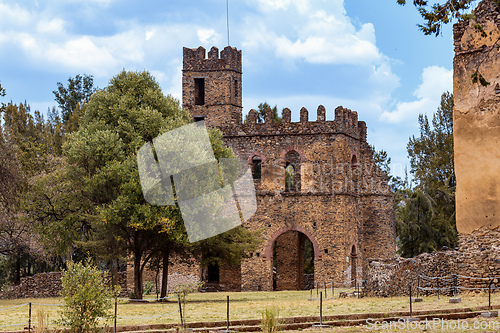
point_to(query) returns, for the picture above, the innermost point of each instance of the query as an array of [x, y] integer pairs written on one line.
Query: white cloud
[[273, 5], [13, 16], [314, 31], [435, 81], [208, 36], [150, 34]]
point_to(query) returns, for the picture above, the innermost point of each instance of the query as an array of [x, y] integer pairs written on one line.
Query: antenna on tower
[[227, 20]]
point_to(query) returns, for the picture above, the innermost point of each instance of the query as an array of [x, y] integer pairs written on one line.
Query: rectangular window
[[199, 91], [236, 88]]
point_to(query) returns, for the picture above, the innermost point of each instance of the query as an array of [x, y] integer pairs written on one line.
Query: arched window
[[256, 167], [354, 162], [289, 173], [292, 171]]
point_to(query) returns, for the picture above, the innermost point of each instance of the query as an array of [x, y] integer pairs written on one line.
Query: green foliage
[[438, 14], [426, 214], [148, 287], [117, 121], [261, 113], [308, 257], [73, 97], [270, 320], [479, 28], [383, 161], [476, 76], [86, 297], [183, 290]]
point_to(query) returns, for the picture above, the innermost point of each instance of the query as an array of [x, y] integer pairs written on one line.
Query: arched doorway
[[293, 261]]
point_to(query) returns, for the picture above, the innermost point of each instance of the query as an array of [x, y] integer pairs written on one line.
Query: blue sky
[[368, 56]]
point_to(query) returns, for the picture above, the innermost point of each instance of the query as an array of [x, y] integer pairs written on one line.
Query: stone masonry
[[476, 120], [477, 256], [338, 198]]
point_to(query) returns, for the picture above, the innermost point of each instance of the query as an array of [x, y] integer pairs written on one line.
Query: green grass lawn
[[243, 305]]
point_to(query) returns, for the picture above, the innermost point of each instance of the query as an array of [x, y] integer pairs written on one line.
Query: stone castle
[[321, 198]]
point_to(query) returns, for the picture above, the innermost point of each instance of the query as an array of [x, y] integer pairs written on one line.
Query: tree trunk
[[164, 278], [137, 276]]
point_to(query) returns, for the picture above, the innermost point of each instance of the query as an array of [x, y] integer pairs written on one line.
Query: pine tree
[[426, 213]]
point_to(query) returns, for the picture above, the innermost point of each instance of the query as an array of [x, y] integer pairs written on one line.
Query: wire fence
[[29, 324]]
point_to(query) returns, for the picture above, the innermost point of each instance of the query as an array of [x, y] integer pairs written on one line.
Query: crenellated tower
[[211, 87]]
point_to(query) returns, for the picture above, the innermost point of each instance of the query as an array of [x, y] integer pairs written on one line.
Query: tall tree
[[72, 98], [116, 123], [426, 213]]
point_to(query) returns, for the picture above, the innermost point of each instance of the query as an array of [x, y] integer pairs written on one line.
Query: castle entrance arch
[[293, 252]]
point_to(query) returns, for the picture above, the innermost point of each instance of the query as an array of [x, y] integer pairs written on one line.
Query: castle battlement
[[346, 122], [196, 60]]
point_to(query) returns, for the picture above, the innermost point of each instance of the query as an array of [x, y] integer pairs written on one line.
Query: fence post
[[411, 309], [227, 313], [455, 285], [418, 285], [116, 312], [180, 309], [29, 318], [326, 296], [317, 289], [321, 308], [489, 295], [437, 284], [333, 289]]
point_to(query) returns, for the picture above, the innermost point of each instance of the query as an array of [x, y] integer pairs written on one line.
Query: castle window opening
[[213, 273], [199, 91], [256, 167], [235, 88], [292, 171], [354, 162]]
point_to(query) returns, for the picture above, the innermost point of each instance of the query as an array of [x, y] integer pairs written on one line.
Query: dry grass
[[244, 305]]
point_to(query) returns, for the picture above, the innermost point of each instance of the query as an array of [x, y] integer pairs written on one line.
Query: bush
[[86, 297], [184, 289], [148, 287], [270, 320]]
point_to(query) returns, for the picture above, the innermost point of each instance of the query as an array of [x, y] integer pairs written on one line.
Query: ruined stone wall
[[477, 256], [44, 285], [180, 271], [476, 119]]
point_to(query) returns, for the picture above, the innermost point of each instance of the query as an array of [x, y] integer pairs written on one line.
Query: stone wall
[[49, 285], [477, 256], [180, 271], [476, 119]]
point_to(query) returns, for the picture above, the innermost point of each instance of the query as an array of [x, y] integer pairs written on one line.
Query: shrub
[[42, 321], [270, 320], [148, 287], [184, 289], [86, 297]]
